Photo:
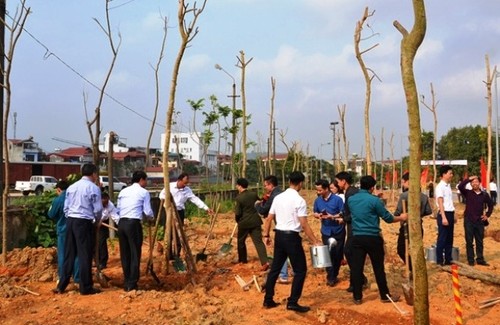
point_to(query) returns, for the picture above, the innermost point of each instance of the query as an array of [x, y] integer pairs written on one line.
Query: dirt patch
[[216, 298]]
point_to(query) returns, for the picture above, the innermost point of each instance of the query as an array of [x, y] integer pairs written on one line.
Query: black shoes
[[127, 289], [332, 283], [471, 263], [365, 285], [57, 291], [92, 291], [298, 308], [270, 304], [357, 301], [484, 263]]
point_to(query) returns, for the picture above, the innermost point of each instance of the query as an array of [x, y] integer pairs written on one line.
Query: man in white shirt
[[289, 210], [134, 203], [108, 211], [445, 216], [182, 193], [493, 191]]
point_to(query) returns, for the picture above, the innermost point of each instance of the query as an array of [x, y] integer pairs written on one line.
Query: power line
[[49, 53]]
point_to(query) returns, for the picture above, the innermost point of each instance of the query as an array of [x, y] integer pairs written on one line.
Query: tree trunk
[[243, 65], [409, 46]]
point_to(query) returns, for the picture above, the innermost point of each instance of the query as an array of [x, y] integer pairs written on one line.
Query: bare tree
[[15, 30], [433, 109], [368, 74], [341, 109], [271, 149], [489, 81], [242, 64], [95, 122], [156, 70], [393, 168], [187, 31], [382, 158], [409, 45]]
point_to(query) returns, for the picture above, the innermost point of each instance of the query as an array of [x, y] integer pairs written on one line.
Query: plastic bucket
[[320, 256]]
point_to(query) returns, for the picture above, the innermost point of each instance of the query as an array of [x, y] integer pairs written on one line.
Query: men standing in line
[[134, 203], [181, 194], [425, 210], [475, 217], [249, 223], [56, 213], [344, 180], [445, 216], [83, 208], [326, 207], [289, 210], [366, 211]]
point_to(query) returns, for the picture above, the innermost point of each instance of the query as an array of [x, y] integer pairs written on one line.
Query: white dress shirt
[[443, 190], [182, 195], [287, 208], [134, 202], [110, 211]]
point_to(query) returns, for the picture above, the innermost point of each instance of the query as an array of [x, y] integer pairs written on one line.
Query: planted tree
[[15, 30], [409, 45], [432, 107]]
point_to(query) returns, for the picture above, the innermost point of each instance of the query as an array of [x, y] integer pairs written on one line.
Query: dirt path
[[218, 299]]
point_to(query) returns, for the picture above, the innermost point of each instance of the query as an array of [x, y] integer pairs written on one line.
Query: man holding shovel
[[425, 210]]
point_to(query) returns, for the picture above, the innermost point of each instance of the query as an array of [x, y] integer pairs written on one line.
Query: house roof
[[130, 154], [73, 152]]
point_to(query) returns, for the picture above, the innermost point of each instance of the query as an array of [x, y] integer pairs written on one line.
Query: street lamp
[[233, 128], [321, 159], [332, 127]]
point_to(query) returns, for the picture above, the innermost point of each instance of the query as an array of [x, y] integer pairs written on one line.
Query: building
[[24, 150], [189, 146]]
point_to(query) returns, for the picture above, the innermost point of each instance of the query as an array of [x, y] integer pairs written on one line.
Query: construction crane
[[76, 143]]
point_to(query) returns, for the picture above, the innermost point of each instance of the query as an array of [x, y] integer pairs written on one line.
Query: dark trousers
[[287, 245], [130, 239], [103, 246], [373, 246], [474, 231], [444, 243], [348, 252], [61, 244], [256, 235], [494, 195], [79, 243], [336, 255], [402, 244]]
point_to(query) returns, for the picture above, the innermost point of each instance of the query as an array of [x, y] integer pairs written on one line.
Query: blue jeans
[[444, 243], [284, 271]]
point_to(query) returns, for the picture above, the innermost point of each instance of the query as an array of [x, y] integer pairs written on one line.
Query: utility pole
[[332, 127]]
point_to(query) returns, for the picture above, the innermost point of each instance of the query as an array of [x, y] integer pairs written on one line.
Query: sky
[[305, 45]]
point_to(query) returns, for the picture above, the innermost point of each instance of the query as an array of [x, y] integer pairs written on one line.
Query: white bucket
[[320, 256]]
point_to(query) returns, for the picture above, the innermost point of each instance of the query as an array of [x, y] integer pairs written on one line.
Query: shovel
[[149, 267], [226, 247], [201, 256], [407, 287], [178, 262]]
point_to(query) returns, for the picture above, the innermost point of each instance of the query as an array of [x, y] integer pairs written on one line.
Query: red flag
[[395, 177], [484, 181], [387, 177], [423, 177]]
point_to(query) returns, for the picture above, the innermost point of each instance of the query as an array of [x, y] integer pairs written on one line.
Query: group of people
[[478, 208], [80, 210]]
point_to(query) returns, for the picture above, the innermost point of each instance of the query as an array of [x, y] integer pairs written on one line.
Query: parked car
[[36, 184], [117, 185]]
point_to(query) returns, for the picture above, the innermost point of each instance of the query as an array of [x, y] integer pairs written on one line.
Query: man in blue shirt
[[56, 213], [83, 208], [366, 211], [327, 207]]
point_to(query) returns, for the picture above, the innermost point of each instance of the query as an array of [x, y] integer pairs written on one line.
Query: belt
[[286, 232]]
